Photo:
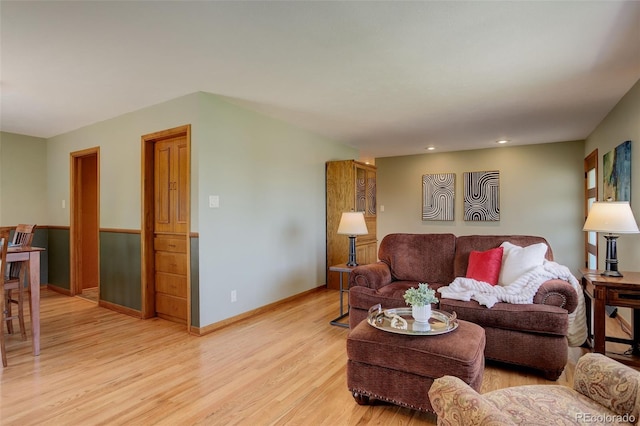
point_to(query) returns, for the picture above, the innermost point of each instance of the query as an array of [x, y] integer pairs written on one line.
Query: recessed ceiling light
[[430, 148], [502, 141]]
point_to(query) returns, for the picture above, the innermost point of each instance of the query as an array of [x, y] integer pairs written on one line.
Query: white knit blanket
[[522, 291]]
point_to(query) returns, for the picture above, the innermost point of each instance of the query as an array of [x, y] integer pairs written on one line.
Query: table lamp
[[612, 217], [352, 224]]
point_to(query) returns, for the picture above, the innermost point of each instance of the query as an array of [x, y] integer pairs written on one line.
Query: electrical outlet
[[234, 296]]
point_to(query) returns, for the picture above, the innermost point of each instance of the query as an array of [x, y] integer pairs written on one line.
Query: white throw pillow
[[517, 261]]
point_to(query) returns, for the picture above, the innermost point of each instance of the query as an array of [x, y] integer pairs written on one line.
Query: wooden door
[[170, 181], [165, 239], [85, 222], [89, 231], [170, 225]]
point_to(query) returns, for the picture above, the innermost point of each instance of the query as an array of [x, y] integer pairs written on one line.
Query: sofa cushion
[[529, 318], [517, 261], [485, 266], [423, 258], [467, 243], [540, 403]]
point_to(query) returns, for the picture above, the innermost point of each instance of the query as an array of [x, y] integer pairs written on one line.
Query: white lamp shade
[[614, 217], [352, 223]]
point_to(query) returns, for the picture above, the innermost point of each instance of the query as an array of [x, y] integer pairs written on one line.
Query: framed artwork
[[482, 196], [617, 173], [438, 191]]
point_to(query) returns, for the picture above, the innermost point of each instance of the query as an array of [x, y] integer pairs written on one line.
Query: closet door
[[171, 207], [171, 162]]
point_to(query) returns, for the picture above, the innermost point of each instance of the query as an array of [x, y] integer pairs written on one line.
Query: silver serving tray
[[441, 322]]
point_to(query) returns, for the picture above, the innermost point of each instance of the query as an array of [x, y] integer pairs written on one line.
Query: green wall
[[58, 252], [120, 269], [23, 180], [41, 239]]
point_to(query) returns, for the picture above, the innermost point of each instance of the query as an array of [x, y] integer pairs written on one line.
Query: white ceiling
[[389, 78]]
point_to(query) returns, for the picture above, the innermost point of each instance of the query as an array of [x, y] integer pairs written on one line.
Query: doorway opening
[[84, 238]]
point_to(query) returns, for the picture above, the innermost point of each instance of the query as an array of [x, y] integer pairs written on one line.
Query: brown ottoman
[[400, 369]]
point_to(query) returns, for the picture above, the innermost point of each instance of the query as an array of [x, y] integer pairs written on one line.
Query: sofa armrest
[[456, 403], [372, 275], [557, 293], [609, 383]]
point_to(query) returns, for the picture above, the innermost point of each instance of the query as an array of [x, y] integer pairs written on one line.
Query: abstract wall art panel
[[438, 192], [482, 196], [617, 173]]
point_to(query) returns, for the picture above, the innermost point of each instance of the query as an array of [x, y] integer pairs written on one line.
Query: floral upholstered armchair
[[604, 392]]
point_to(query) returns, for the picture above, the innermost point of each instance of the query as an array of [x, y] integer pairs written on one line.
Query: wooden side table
[[601, 291], [342, 269]]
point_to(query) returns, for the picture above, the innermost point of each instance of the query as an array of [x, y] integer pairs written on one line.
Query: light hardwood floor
[[285, 367]]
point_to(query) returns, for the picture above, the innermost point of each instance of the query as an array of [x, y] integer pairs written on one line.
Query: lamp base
[[352, 251], [611, 262]]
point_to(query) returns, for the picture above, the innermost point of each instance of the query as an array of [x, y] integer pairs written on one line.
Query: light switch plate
[[214, 201]]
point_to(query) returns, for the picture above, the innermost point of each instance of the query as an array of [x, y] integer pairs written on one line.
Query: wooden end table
[[342, 269], [601, 291]]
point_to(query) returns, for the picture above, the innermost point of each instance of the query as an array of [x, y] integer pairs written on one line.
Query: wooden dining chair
[[14, 291], [23, 236], [7, 282]]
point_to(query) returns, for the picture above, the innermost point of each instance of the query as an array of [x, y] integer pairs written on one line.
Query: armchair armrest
[[456, 403], [373, 275], [557, 293], [609, 383]]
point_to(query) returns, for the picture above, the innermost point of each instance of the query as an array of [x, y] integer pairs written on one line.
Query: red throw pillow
[[485, 265]]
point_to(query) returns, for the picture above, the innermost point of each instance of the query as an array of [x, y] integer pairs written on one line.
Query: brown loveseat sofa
[[529, 335]]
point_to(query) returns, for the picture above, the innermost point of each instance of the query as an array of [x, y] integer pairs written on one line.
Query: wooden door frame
[[590, 162], [74, 204], [148, 308]]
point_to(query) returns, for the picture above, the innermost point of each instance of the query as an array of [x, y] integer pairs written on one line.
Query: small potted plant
[[420, 300]]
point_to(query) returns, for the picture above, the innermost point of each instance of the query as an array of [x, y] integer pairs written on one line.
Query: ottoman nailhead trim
[[382, 398]]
